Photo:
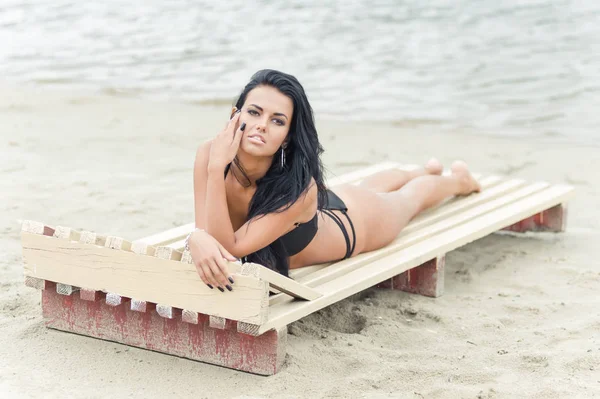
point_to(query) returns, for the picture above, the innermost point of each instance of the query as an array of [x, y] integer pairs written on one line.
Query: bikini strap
[[338, 221], [349, 253]]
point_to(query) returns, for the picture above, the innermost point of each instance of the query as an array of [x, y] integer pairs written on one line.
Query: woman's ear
[[233, 111]]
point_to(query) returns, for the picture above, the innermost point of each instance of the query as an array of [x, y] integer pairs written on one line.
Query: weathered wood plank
[[142, 277]]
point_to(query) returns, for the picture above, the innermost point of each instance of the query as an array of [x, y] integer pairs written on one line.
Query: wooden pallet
[[146, 293]]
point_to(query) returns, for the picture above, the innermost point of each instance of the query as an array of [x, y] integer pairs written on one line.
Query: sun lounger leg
[[263, 354], [426, 279], [553, 219]]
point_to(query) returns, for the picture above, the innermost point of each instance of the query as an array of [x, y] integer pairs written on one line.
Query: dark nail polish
[[230, 280], [229, 287], [221, 289], [243, 126], [210, 286]]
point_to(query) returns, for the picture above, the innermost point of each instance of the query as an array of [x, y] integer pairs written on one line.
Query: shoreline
[[426, 126]]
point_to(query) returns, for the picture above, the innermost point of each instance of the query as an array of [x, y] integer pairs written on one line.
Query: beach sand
[[520, 316]]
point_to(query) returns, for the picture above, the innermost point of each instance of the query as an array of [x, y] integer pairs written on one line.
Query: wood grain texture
[[189, 316], [142, 277], [66, 289], [138, 306], [217, 322], [113, 299], [34, 282]]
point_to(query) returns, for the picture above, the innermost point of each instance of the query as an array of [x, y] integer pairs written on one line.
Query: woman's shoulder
[[311, 192], [203, 152], [204, 148]]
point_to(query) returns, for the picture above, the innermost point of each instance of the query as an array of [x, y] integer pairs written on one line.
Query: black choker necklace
[[245, 185]]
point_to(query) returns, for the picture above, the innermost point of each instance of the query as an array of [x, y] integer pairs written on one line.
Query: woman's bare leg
[[415, 196], [393, 179]]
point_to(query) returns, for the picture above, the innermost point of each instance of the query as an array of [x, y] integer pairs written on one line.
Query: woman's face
[[268, 114]]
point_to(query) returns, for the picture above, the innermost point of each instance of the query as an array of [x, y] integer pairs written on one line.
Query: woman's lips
[[256, 139]]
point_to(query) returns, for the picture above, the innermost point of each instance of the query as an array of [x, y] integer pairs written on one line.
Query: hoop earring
[[282, 158]]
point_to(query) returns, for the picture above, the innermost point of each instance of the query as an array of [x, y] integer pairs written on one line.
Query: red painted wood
[[426, 279], [91, 295], [553, 219], [261, 355]]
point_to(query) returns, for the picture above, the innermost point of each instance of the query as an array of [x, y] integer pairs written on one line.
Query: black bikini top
[[296, 240]]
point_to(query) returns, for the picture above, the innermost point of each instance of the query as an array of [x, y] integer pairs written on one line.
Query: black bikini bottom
[[335, 203]]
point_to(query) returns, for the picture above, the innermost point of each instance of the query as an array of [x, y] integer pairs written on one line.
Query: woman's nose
[[262, 126]]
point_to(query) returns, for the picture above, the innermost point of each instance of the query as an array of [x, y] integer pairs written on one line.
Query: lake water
[[513, 67]]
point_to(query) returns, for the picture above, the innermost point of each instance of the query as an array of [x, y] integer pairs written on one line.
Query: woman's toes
[[461, 170], [434, 167]]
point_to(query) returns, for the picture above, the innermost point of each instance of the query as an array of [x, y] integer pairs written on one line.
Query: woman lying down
[[260, 197]]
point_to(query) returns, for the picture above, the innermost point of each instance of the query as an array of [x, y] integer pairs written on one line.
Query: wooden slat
[[66, 233], [298, 274], [89, 237], [65, 289], [357, 175], [287, 285], [178, 245], [142, 277], [406, 239], [169, 236], [396, 263]]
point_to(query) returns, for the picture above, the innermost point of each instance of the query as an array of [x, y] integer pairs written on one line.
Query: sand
[[520, 316]]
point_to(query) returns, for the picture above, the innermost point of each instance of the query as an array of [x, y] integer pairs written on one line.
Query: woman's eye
[[252, 112], [279, 122]]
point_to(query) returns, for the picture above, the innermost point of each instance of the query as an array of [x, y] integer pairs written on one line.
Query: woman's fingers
[[224, 269], [208, 272], [226, 257], [202, 275], [238, 135], [219, 274], [232, 125]]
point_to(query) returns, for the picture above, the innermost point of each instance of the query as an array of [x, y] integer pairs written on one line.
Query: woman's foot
[[434, 167], [468, 183]]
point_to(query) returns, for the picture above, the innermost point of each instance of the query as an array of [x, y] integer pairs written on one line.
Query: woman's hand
[[225, 146], [210, 259]]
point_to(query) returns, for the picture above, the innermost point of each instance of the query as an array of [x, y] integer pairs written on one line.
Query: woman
[[259, 192]]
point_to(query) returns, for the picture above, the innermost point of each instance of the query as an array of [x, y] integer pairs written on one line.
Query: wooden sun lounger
[[146, 293]]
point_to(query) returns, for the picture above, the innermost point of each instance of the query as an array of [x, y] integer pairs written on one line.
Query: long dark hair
[[281, 187]]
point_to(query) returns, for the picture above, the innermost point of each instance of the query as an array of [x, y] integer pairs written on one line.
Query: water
[[527, 68]]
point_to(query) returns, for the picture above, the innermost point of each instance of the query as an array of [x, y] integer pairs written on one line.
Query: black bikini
[[299, 238], [296, 240]]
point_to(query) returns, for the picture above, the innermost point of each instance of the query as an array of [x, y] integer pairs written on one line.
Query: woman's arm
[[200, 178], [212, 212]]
